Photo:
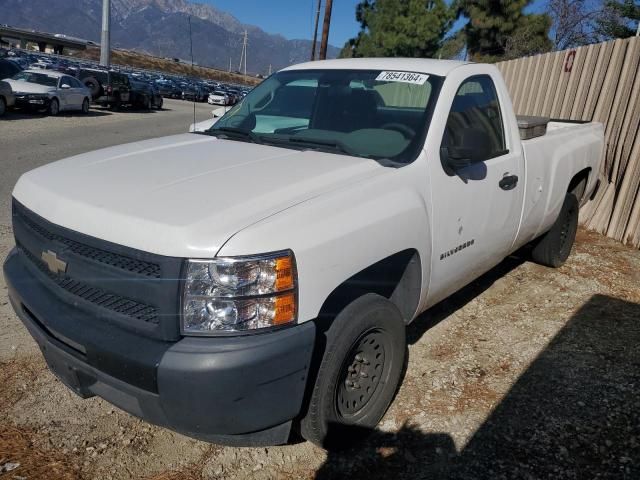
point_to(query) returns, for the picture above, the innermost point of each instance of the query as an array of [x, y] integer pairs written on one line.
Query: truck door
[[477, 183]]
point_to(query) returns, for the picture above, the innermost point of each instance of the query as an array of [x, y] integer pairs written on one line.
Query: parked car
[[108, 87], [258, 277], [144, 95], [219, 97], [8, 68], [7, 99], [194, 93], [168, 89], [49, 90]]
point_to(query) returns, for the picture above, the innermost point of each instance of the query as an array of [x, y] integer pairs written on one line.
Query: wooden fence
[[597, 82]]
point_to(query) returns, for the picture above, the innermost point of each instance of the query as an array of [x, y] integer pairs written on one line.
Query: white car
[[255, 278], [50, 91], [219, 98], [207, 124]]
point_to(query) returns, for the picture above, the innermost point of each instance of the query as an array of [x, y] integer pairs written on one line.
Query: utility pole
[[315, 32], [229, 64], [105, 43], [269, 69], [325, 30], [243, 55]]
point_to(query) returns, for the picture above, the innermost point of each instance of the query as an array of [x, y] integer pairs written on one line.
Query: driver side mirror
[[65, 86], [473, 146]]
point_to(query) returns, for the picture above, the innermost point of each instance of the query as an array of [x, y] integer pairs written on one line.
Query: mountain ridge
[[160, 27]]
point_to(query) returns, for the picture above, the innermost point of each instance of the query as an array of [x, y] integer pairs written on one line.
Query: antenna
[[194, 93]]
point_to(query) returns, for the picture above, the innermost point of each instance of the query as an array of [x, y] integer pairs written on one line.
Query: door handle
[[508, 182]]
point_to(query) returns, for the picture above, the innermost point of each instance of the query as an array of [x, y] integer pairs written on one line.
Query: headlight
[[239, 293]]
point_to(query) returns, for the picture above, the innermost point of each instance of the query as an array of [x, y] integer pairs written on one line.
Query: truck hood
[[183, 195], [20, 86]]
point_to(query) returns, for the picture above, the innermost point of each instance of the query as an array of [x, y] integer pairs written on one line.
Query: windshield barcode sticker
[[404, 77]]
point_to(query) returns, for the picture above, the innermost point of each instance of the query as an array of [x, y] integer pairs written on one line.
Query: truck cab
[[254, 279]]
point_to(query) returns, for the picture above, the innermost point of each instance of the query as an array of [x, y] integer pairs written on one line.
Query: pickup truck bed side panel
[[551, 161], [338, 235]]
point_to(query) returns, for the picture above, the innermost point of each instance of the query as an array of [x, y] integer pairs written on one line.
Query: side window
[[75, 83], [66, 81], [475, 125]]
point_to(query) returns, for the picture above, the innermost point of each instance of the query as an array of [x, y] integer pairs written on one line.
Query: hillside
[[160, 28]]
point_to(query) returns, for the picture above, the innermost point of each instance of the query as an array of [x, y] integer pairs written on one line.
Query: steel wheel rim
[[361, 373]]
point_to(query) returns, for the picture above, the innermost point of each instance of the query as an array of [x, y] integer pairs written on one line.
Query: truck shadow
[[574, 413], [442, 310]]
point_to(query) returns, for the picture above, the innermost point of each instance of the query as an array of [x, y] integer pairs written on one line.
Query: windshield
[[364, 113], [39, 78]]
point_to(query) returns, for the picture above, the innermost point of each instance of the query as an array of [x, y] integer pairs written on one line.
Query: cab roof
[[420, 65]]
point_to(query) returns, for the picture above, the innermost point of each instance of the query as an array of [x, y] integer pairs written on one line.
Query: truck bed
[[551, 161]]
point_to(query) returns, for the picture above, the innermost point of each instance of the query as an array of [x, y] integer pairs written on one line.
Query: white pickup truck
[[256, 279]]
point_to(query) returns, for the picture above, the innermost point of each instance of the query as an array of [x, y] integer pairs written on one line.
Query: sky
[[294, 18]]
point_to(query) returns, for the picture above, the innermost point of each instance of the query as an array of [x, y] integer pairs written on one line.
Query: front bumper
[[242, 390], [23, 101]]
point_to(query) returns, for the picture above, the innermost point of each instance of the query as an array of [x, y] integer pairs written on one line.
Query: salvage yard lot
[[528, 372]]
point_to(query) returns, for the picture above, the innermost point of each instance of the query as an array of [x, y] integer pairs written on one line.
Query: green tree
[[619, 19], [494, 24], [400, 28]]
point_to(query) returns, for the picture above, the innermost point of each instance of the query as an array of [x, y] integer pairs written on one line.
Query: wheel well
[[397, 277], [578, 183]]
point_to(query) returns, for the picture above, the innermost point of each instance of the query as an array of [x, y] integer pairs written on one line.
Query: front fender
[[339, 234]]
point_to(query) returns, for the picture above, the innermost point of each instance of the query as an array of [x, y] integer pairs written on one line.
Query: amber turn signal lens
[[285, 309], [284, 274]]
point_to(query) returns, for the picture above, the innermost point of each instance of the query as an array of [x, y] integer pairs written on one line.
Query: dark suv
[[145, 95], [107, 87]]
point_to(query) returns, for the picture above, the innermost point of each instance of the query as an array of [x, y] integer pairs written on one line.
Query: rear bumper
[[242, 390]]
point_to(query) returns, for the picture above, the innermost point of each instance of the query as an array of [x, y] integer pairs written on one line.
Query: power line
[[243, 55], [315, 32]]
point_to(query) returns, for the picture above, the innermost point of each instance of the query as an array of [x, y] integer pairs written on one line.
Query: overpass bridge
[[58, 43]]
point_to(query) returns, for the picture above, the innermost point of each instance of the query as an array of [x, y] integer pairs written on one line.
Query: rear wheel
[[3, 106], [116, 104], [54, 107], [85, 106], [359, 373], [554, 247], [160, 103]]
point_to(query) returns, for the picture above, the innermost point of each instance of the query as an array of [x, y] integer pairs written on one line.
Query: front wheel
[[54, 107], [85, 106], [554, 247], [3, 106], [359, 373]]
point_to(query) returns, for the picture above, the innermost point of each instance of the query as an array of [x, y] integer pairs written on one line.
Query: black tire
[[94, 86], [554, 247], [160, 103], [116, 104], [3, 106], [54, 107], [359, 374], [148, 104], [85, 106]]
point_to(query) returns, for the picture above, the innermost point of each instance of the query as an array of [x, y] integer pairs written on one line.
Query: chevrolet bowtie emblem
[[53, 262]]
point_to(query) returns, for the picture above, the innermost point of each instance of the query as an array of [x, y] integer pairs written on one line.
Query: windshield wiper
[[330, 145], [231, 131]]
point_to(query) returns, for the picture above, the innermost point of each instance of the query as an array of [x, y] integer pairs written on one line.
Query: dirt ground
[[527, 373]]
